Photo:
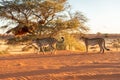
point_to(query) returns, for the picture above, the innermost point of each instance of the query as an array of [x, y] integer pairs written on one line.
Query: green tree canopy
[[42, 17]]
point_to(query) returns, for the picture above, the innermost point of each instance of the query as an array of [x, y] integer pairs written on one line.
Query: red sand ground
[[65, 65]]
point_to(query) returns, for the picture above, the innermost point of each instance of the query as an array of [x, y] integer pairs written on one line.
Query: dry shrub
[[71, 43], [4, 52]]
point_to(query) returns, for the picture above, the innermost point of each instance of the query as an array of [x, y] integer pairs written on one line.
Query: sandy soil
[[65, 65]]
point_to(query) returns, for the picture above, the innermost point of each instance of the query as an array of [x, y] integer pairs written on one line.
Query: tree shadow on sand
[[70, 69], [32, 56]]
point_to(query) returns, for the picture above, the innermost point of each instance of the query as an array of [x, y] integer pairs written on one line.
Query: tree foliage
[[42, 17]]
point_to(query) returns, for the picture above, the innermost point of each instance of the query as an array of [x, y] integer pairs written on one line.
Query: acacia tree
[[42, 17]]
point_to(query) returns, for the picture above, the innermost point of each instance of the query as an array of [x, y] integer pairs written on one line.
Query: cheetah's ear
[[62, 37]]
